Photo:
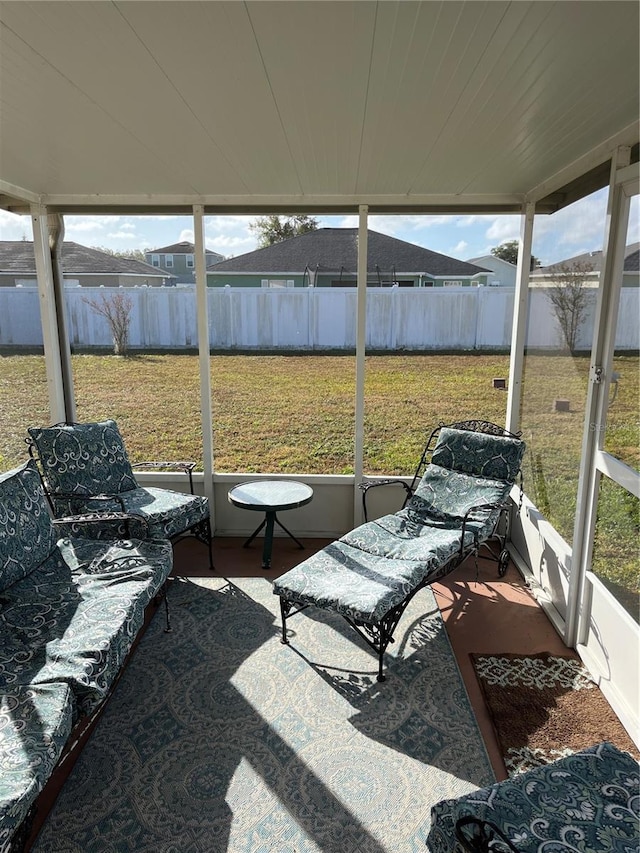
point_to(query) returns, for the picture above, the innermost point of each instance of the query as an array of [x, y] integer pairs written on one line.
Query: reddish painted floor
[[488, 615]]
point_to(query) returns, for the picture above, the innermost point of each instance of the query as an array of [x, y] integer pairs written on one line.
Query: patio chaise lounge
[[370, 575]]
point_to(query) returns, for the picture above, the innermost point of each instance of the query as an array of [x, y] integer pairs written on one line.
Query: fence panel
[[313, 318]]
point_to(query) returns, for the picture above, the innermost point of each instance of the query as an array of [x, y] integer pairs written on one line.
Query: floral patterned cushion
[[74, 618], [446, 496], [366, 584], [35, 723], [588, 801], [26, 533], [166, 512], [495, 457], [89, 459]]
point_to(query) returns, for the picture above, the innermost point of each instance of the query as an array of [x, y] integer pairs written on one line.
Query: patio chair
[[453, 507], [85, 470]]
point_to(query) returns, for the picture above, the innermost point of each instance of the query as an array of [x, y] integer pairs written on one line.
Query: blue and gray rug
[[219, 739]]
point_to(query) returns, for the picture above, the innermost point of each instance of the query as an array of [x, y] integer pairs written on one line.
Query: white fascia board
[[598, 155]]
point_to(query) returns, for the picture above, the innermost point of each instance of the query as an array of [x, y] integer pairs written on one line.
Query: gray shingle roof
[[182, 248], [17, 256], [595, 260], [333, 249]]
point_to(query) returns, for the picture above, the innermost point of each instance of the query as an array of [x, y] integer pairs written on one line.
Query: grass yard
[[295, 414]]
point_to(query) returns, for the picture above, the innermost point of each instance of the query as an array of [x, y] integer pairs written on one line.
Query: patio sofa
[[70, 611]]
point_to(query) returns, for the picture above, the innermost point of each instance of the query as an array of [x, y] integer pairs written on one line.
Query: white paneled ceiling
[[309, 104]]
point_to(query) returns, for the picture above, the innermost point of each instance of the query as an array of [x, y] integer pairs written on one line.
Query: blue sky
[[576, 229]]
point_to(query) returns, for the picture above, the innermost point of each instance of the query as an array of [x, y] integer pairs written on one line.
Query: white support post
[[48, 315], [520, 313], [597, 394], [202, 314], [361, 330], [56, 243]]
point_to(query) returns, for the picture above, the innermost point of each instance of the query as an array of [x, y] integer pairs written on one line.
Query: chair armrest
[[76, 498], [71, 524], [390, 481], [480, 512], [185, 467]]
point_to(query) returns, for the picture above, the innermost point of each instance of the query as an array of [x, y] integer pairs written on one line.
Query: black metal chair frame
[[483, 836], [201, 530], [502, 557]]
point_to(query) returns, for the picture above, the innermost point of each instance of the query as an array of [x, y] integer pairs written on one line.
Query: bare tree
[[569, 298], [117, 312]]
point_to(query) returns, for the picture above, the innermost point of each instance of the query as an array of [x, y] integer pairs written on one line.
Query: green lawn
[[295, 414]]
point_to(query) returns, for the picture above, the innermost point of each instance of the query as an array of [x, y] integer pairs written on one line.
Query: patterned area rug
[[219, 738], [544, 707]]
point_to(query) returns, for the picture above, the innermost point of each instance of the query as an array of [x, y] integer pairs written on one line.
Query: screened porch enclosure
[[360, 108]]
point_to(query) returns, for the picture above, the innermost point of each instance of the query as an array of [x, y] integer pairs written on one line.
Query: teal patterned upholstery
[[35, 723], [478, 453], [26, 534], [588, 801], [80, 462], [75, 617], [84, 459], [373, 568], [167, 513], [359, 584], [69, 613]]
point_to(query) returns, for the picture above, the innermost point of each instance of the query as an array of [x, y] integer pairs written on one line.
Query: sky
[[572, 231]]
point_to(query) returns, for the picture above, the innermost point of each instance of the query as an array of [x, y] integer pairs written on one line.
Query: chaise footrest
[[370, 591]]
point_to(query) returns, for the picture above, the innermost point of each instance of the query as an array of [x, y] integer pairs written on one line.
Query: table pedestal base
[[270, 519]]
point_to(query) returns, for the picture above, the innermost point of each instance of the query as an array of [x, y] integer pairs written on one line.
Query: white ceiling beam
[[19, 193], [63, 203]]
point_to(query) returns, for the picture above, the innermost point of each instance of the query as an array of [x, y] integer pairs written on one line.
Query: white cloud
[[82, 227], [121, 235], [15, 227], [503, 228], [460, 247]]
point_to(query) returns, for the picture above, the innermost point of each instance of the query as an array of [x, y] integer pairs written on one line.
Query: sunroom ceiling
[[303, 105]]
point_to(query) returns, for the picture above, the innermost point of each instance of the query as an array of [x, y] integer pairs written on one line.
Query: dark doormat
[[544, 707]]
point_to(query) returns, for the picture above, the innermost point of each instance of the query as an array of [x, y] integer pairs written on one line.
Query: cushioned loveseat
[[70, 610]]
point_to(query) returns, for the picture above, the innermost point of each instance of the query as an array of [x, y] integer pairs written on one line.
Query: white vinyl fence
[[312, 319]]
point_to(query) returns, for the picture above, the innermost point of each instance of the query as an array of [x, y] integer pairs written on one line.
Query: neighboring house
[[328, 257], [178, 260], [630, 274], [81, 267], [504, 273]]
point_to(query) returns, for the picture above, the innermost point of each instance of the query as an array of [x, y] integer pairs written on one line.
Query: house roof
[[314, 106], [594, 259], [183, 248], [17, 256], [336, 249], [492, 261]]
